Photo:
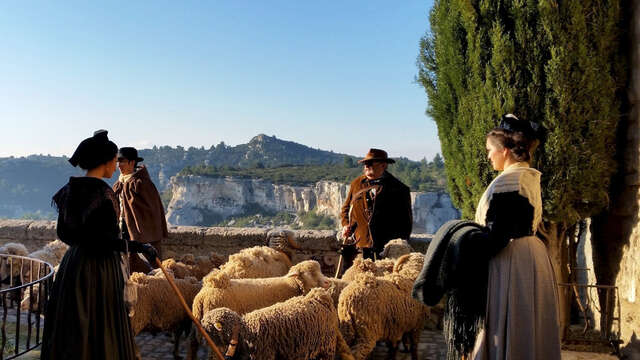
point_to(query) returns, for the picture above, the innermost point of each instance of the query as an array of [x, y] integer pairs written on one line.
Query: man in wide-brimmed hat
[[376, 210], [141, 211]]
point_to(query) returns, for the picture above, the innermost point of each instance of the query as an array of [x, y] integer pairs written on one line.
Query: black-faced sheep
[[255, 263], [159, 309], [304, 327], [374, 309], [246, 295]]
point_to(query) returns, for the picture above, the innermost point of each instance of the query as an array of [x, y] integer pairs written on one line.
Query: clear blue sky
[[335, 75]]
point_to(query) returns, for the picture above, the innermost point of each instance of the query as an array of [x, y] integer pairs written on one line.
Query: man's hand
[[149, 252], [346, 232]]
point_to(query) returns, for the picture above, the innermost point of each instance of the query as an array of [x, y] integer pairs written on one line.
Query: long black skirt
[[86, 316]]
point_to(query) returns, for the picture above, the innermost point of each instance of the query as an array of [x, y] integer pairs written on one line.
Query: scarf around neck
[[520, 178]]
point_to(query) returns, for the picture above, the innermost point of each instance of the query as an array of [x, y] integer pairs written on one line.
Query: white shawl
[[516, 177]]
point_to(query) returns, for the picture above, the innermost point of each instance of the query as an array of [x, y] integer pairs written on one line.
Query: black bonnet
[[510, 122], [94, 151]]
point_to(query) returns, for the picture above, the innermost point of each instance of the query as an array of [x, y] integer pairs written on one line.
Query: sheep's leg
[[364, 345], [415, 338], [192, 354], [342, 349], [176, 344], [406, 343], [393, 350]]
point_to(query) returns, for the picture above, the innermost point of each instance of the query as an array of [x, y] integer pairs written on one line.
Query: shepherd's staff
[[186, 308], [344, 240]]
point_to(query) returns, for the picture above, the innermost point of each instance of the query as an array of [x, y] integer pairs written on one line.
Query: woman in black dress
[[86, 317]]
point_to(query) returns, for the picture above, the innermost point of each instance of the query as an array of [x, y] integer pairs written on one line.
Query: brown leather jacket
[[390, 216], [142, 208]]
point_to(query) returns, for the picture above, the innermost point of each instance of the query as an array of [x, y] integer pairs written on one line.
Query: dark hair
[[94, 151], [520, 137]]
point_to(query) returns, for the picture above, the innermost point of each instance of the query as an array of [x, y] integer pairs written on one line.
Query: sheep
[[374, 309], [360, 266], [158, 308], [10, 269], [409, 265], [189, 265], [246, 295], [283, 241], [35, 301], [335, 289], [303, 327], [255, 263], [396, 248]]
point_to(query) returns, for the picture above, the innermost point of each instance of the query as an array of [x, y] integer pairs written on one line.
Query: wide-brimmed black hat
[[129, 153], [94, 151], [377, 155]]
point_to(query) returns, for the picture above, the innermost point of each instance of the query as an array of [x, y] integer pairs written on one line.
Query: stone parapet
[[319, 245]]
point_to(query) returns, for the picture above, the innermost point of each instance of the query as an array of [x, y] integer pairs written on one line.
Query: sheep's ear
[[294, 274], [218, 326]]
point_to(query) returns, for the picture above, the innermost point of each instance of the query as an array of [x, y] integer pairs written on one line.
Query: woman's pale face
[[496, 154]]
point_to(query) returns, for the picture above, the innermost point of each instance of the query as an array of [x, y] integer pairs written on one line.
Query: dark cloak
[[86, 316]]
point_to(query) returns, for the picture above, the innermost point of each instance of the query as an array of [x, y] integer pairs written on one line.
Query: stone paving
[[431, 347], [160, 347]]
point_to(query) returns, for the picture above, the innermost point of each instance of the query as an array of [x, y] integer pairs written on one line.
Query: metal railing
[[590, 299], [24, 288]]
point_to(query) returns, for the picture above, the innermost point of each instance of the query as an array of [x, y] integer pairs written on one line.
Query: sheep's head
[[283, 241], [58, 248], [396, 248], [308, 275], [11, 268], [223, 326], [188, 259]]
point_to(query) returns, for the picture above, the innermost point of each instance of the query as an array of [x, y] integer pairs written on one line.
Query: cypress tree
[[557, 63]]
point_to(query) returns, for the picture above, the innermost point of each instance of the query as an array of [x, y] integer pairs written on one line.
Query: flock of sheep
[[258, 305]]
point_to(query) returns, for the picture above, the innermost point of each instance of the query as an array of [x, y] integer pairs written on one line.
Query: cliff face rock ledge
[[195, 198]]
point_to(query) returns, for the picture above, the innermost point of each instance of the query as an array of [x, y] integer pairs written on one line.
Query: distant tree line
[[418, 175]]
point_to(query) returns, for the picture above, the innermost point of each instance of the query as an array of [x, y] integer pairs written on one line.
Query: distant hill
[[262, 151], [27, 183]]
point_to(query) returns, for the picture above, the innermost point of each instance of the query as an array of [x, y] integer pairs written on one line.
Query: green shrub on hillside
[[418, 175]]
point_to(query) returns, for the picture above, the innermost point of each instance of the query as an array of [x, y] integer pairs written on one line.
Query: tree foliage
[[556, 63], [418, 175]]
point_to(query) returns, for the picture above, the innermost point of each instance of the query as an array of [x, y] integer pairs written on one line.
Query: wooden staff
[[186, 308]]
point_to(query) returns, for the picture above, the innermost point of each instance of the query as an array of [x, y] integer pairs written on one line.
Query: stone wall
[[320, 245]]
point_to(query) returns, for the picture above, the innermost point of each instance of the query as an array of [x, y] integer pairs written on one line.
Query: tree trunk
[[554, 236]]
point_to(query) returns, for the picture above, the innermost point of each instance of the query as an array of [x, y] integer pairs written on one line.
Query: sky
[[333, 75]]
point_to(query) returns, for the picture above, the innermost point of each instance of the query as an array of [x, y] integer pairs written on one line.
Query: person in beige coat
[[142, 216]]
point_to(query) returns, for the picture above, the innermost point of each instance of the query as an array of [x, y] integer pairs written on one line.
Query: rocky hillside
[[198, 200], [27, 183], [262, 151]]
